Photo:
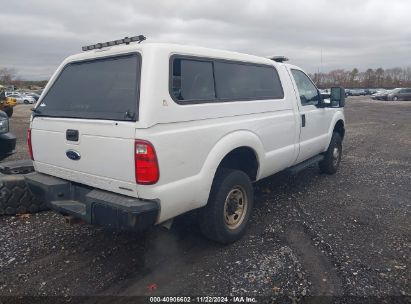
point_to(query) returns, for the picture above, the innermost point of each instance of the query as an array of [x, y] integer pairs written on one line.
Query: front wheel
[[395, 98], [224, 219], [332, 157]]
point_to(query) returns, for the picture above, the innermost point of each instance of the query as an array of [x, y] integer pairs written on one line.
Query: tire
[[15, 196], [395, 98], [220, 221], [9, 111], [26, 101], [332, 157]]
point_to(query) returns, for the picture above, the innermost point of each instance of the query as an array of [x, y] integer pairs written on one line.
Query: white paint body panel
[[190, 140]]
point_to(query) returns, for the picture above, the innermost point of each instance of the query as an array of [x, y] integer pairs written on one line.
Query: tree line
[[371, 78], [8, 78]]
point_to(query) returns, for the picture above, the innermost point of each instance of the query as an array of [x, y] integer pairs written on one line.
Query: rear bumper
[[7, 144], [92, 205]]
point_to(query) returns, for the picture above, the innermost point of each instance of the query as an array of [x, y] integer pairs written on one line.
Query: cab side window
[[307, 90]]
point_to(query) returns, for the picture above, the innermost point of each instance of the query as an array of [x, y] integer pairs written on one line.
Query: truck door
[[315, 121]]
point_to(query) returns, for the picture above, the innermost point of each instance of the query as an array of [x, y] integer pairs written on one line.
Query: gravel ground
[[312, 234]]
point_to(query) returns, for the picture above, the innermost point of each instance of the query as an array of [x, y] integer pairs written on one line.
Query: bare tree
[[369, 78], [7, 75], [353, 77], [379, 77]]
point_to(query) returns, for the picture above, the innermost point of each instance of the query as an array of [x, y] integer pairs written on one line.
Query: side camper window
[[205, 80]]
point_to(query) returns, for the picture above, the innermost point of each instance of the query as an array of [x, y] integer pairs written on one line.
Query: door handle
[[302, 120]]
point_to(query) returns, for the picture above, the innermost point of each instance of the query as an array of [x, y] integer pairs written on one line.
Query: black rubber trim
[[93, 205], [7, 144], [17, 167]]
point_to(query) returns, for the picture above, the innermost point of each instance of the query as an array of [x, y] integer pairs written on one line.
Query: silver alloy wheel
[[336, 156], [235, 207], [395, 98]]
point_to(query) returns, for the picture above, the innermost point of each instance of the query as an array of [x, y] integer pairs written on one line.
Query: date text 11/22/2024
[[203, 299]]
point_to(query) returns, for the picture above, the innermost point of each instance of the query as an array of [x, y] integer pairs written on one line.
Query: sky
[[36, 35]]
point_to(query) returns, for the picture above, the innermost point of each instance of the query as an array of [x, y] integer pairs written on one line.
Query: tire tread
[[16, 197], [326, 165], [211, 218]]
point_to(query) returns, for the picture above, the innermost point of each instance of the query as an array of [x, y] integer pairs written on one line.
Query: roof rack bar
[[279, 58], [125, 40]]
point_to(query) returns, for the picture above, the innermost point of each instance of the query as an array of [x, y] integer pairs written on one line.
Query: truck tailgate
[[105, 152]]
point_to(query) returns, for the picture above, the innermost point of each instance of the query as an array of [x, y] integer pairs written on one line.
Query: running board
[[305, 164]]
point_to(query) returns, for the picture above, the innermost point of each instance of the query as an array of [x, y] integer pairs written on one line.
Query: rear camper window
[[106, 88]]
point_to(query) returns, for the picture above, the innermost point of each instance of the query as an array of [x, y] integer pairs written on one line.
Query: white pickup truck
[[131, 135]]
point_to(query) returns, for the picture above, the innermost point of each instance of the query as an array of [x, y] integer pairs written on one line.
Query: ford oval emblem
[[73, 155]]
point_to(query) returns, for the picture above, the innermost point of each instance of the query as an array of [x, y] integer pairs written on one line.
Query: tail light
[[29, 143], [146, 165]]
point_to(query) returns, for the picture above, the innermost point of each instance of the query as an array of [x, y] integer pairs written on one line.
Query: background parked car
[[356, 92], [7, 140], [6, 103], [380, 90], [399, 94], [370, 91], [381, 95], [21, 98], [34, 95], [378, 93]]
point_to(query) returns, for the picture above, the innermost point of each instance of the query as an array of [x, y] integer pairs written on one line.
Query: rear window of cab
[[197, 80]]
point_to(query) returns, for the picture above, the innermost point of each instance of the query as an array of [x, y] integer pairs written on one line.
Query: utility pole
[[321, 62], [320, 67]]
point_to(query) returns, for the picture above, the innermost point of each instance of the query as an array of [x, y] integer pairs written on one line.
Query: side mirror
[[337, 97]]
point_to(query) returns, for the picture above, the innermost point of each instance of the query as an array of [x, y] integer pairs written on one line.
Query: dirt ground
[[343, 235]]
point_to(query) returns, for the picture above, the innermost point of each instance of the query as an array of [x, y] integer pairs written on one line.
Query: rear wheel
[[332, 157], [224, 219], [26, 101]]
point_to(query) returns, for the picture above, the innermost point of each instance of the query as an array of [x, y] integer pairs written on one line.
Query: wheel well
[[339, 128], [242, 158]]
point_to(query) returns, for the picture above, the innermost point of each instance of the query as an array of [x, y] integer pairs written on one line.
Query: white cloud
[[373, 33]]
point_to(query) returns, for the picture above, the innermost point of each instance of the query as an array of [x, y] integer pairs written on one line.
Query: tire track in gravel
[[323, 275]]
